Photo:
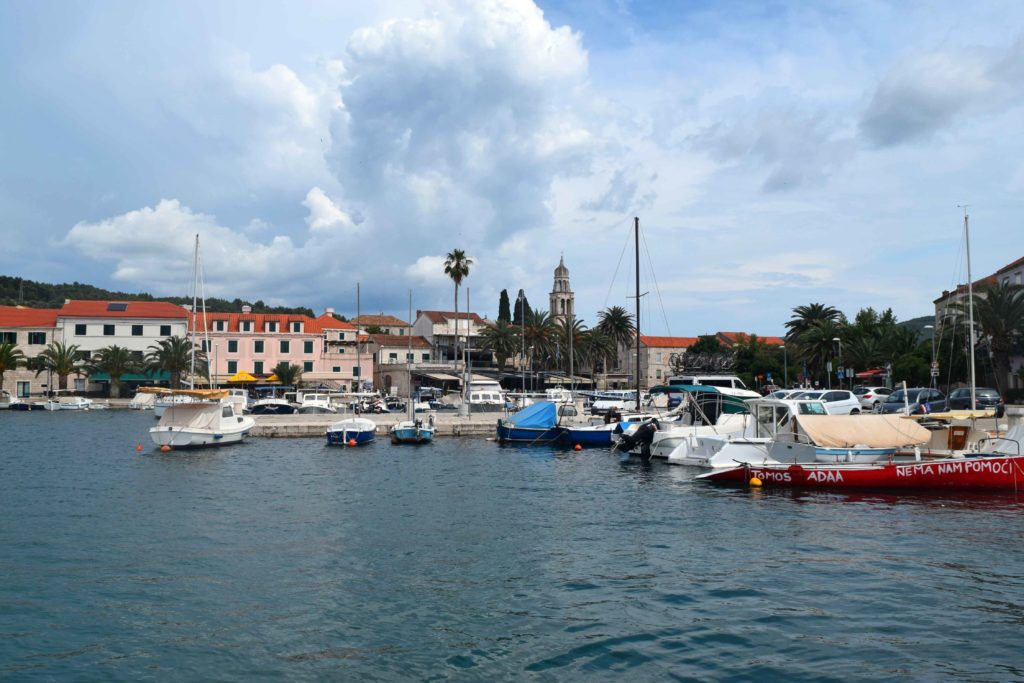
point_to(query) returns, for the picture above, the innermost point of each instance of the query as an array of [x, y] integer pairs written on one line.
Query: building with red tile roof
[[439, 329]]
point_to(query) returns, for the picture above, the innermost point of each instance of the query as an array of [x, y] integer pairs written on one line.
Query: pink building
[[325, 347]]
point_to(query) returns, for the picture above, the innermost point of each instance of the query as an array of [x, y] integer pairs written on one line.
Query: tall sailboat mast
[[970, 305], [636, 245], [358, 373]]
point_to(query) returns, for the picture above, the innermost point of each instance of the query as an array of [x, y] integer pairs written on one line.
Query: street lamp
[[840, 343], [934, 377], [785, 368], [531, 367]]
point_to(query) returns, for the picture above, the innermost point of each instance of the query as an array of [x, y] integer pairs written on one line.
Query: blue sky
[[776, 153]]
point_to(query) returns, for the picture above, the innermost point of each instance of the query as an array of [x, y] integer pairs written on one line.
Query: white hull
[[724, 451], [176, 437], [201, 424]]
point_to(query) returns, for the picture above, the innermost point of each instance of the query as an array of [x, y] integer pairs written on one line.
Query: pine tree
[[521, 303]]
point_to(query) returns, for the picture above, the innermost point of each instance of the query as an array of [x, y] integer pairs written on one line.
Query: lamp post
[[785, 368], [934, 377], [531, 367], [840, 343]]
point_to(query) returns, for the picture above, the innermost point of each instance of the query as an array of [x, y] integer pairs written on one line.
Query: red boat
[[988, 473]]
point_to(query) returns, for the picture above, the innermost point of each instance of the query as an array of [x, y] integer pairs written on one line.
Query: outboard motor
[[642, 436]]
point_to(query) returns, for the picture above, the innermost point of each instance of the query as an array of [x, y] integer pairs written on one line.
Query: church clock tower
[[562, 299]]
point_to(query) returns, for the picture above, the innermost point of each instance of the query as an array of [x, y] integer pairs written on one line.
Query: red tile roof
[[394, 340], [133, 309], [380, 320], [259, 321], [1011, 266], [733, 338], [667, 342], [442, 316], [19, 316]]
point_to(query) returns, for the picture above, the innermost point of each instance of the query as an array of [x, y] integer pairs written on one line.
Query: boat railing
[[981, 443]]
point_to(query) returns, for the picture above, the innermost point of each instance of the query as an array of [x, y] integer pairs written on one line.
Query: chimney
[[187, 307], [67, 301], [247, 309], [329, 311]]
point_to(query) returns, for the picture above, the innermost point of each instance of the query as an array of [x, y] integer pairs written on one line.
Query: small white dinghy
[[208, 420]]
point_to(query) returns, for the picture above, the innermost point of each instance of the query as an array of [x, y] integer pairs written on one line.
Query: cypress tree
[[521, 303]]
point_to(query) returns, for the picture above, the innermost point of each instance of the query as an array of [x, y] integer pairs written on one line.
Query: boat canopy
[[208, 394], [540, 415], [952, 415], [192, 416], [872, 431]]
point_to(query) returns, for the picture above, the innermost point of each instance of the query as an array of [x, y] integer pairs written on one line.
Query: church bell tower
[[562, 299]]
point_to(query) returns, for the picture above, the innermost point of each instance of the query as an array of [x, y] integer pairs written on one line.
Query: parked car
[[984, 399], [918, 399], [837, 401], [870, 397]]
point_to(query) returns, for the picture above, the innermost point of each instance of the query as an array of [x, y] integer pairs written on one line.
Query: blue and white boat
[[416, 431], [357, 430], [535, 424]]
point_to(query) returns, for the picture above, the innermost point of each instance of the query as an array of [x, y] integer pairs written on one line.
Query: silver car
[[871, 397]]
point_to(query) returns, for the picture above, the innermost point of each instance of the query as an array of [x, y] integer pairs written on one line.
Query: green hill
[[918, 325], [16, 291]]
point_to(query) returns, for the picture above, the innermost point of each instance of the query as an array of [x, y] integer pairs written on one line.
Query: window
[[257, 346], [80, 330], [108, 330], [9, 337], [232, 367], [257, 367], [246, 325], [207, 345], [232, 346], [136, 330], [392, 357], [37, 338], [83, 355], [426, 358], [307, 366], [657, 358], [137, 355], [165, 330], [336, 368], [270, 326], [286, 346], [408, 358], [401, 331], [355, 371], [296, 327], [220, 325], [23, 388], [657, 373], [307, 347]]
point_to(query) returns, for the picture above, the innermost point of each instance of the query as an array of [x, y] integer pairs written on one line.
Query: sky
[[776, 153]]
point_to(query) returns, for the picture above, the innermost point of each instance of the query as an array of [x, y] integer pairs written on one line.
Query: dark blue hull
[[508, 433], [588, 438], [343, 436]]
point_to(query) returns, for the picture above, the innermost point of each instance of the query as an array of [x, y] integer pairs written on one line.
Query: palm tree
[[808, 317], [60, 359], [174, 356], [288, 374], [503, 340], [571, 332], [999, 317], [617, 323], [456, 266], [116, 361], [540, 334], [597, 346], [10, 358], [816, 345]]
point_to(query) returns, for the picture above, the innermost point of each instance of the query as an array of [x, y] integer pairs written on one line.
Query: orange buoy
[[138, 448], [577, 447], [754, 481], [352, 442], [165, 449]]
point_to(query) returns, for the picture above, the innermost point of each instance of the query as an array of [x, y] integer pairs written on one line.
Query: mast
[[359, 371], [195, 276], [408, 363], [970, 305], [636, 245]]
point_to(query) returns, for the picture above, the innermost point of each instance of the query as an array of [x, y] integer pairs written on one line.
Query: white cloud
[[324, 214]]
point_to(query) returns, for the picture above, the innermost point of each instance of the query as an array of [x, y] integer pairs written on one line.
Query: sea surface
[[284, 559]]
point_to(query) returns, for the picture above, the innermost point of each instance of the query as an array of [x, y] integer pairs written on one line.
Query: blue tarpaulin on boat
[[541, 415]]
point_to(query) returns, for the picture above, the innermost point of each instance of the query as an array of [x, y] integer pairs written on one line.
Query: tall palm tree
[[288, 374], [570, 335], [117, 361], [11, 358], [816, 346], [540, 334], [501, 339], [60, 359], [618, 324], [999, 317], [456, 266], [174, 356], [597, 346], [808, 317]]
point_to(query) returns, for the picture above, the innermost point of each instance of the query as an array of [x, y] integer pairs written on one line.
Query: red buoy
[[138, 448], [352, 442], [577, 447], [165, 449]]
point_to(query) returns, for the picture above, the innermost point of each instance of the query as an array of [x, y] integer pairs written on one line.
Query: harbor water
[[464, 560]]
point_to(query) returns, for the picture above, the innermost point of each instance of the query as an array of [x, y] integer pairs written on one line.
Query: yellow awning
[[273, 378], [241, 376]]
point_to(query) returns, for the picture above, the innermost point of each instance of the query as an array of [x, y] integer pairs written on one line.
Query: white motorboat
[[71, 403], [271, 406], [208, 420], [142, 401], [10, 402], [485, 395], [168, 400], [316, 404]]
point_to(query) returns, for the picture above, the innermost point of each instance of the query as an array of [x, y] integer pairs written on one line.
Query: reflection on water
[[465, 560]]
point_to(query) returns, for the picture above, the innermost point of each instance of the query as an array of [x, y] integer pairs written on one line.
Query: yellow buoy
[[577, 447], [754, 481], [165, 449]]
